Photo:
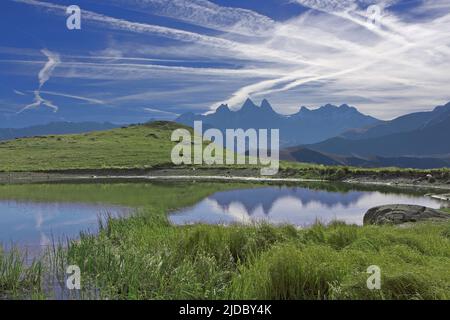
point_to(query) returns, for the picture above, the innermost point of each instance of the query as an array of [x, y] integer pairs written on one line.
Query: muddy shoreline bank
[[40, 177], [400, 182], [405, 180]]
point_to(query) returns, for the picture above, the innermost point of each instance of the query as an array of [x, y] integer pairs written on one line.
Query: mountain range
[[333, 135], [424, 134], [329, 135], [304, 127]]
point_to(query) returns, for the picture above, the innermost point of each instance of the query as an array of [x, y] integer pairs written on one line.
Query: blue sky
[[134, 60]]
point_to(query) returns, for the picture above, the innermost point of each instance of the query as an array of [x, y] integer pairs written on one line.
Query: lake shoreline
[[401, 183], [214, 174]]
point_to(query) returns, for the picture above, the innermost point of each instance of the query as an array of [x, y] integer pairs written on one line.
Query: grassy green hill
[[149, 146], [140, 146]]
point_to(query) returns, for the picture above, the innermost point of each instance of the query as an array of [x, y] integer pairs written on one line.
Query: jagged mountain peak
[[223, 108], [444, 108], [341, 108], [304, 109], [249, 105], [327, 109], [267, 107], [265, 104]]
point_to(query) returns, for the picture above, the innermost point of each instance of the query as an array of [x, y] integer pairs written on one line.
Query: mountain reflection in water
[[294, 205]]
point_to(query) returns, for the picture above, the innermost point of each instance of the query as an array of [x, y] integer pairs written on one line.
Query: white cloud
[[329, 5], [153, 110], [44, 76], [38, 101], [20, 93], [335, 6], [53, 61], [205, 14], [330, 52], [71, 96]]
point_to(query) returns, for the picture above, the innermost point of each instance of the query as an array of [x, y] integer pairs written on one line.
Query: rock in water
[[401, 213]]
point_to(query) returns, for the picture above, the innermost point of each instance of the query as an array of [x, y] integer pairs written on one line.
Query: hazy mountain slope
[[305, 155], [404, 123], [67, 113], [300, 154], [430, 140], [54, 128]]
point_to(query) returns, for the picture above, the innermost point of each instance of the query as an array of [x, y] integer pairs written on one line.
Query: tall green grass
[[145, 257], [131, 260], [414, 265], [18, 278]]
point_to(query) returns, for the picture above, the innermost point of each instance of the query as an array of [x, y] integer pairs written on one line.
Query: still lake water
[[35, 225], [291, 205], [32, 216]]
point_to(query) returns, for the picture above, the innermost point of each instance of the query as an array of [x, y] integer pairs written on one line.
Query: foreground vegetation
[[145, 257], [17, 279]]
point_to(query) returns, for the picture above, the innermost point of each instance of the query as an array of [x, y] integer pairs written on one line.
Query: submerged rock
[[401, 213]]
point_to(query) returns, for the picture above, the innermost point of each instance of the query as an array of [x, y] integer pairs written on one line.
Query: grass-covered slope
[[140, 146], [149, 146]]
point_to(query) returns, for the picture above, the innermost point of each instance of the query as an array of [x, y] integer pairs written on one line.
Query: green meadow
[[148, 147], [139, 146]]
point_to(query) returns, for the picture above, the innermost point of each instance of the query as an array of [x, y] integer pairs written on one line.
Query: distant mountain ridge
[[67, 113], [301, 154], [54, 128], [304, 127], [406, 123], [416, 140], [430, 137]]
